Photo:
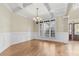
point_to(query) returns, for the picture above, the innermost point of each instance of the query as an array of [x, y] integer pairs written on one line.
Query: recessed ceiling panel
[[32, 9], [49, 9]]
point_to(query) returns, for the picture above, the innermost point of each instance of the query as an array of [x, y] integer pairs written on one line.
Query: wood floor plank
[[42, 48]]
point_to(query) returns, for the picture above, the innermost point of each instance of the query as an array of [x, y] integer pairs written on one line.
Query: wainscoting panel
[[62, 36], [4, 40], [17, 37], [9, 38]]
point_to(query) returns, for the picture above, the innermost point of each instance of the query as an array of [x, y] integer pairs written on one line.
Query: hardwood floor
[[42, 48]]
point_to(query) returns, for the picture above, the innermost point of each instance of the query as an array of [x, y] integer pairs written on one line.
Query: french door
[[47, 29]]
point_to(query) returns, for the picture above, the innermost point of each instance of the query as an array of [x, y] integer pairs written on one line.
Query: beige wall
[[35, 27], [61, 24], [5, 17], [10, 22], [20, 24], [74, 15]]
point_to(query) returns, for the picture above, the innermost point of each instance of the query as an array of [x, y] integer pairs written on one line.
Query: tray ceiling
[[46, 10]]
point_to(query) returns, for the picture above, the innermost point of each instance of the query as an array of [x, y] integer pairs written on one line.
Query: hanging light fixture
[[37, 18]]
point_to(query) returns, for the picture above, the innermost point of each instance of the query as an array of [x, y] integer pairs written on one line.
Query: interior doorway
[[74, 31]]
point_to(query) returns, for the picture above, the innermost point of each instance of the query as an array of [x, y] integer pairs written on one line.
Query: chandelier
[[37, 18]]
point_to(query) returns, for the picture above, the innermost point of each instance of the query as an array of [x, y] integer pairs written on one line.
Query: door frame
[[72, 31]]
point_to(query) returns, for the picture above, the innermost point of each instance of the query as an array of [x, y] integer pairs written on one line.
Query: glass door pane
[[46, 29], [52, 27]]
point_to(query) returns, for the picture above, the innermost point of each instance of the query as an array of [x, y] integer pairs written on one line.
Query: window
[[47, 29]]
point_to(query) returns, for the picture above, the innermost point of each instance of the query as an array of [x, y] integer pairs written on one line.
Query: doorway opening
[[74, 31]]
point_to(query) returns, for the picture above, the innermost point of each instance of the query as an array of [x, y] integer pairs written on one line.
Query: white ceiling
[[46, 10]]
